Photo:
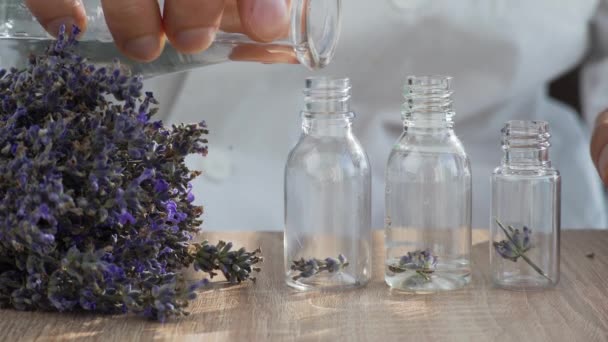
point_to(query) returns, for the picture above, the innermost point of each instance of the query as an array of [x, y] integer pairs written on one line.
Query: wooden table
[[577, 310]]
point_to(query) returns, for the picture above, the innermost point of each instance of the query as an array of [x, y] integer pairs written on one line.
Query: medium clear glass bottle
[[428, 195], [525, 218], [327, 239], [311, 40]]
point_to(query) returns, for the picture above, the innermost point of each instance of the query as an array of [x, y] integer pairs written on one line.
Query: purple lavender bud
[[190, 197], [160, 185], [171, 208], [506, 250], [47, 238], [125, 218], [406, 259], [145, 175], [166, 250]]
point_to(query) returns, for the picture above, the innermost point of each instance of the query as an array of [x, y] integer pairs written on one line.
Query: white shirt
[[501, 53]]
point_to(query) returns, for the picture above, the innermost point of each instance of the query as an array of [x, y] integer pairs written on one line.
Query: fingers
[[264, 54], [136, 26], [231, 22], [599, 144], [264, 20], [191, 25], [53, 13]]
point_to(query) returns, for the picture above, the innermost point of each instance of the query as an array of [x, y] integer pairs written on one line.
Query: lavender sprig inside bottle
[[516, 245], [423, 262], [310, 267]]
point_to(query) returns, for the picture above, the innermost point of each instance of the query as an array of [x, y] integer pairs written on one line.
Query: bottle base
[[330, 282], [524, 283], [436, 282]]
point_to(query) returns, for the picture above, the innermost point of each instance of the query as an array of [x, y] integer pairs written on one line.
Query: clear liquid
[[15, 52], [530, 199], [452, 271], [428, 198], [328, 208], [356, 251]]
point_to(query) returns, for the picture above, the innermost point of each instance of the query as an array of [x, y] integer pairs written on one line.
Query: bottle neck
[[428, 104], [327, 107], [526, 145], [327, 125]]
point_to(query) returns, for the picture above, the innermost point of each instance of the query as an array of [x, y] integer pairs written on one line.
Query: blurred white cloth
[[502, 54]]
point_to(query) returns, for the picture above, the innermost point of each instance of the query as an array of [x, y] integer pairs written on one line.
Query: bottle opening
[[327, 95], [315, 31], [426, 84], [522, 134], [526, 144], [328, 87], [428, 98]]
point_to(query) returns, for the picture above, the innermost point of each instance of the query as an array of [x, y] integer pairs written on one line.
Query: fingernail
[[53, 26], [143, 48], [602, 163], [269, 18], [194, 40]]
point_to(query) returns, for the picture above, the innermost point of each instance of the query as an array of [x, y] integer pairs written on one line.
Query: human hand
[[599, 146], [139, 31]]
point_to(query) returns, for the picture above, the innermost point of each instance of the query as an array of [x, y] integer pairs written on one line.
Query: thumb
[[53, 13]]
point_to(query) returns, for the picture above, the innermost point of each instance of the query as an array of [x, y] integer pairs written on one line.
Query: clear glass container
[[311, 41], [327, 240], [428, 195], [525, 218]]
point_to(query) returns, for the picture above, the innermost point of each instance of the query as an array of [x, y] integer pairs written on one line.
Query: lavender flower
[[423, 262], [516, 245], [313, 266], [236, 266], [96, 209]]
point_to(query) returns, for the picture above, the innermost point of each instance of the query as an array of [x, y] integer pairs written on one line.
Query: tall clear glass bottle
[[428, 195], [327, 240], [525, 218], [310, 40]]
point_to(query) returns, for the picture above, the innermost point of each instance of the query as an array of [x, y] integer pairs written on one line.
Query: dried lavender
[[515, 247], [311, 267], [96, 208], [236, 266], [423, 262]]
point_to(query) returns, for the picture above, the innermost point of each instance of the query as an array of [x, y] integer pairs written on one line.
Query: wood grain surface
[[576, 310]]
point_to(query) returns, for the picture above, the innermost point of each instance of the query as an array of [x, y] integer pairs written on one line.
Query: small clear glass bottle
[[310, 40], [428, 195], [327, 240], [525, 218]]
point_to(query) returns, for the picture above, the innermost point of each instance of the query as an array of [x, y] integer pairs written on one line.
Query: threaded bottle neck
[[526, 144], [324, 95], [428, 102], [327, 106]]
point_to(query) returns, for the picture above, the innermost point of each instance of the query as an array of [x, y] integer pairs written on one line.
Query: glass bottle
[[311, 41], [327, 240], [525, 218], [428, 195]]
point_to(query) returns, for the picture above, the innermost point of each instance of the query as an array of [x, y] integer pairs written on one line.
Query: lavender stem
[[521, 253]]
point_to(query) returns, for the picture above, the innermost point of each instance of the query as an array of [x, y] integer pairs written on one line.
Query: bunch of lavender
[[308, 268], [517, 244], [423, 262], [96, 207]]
